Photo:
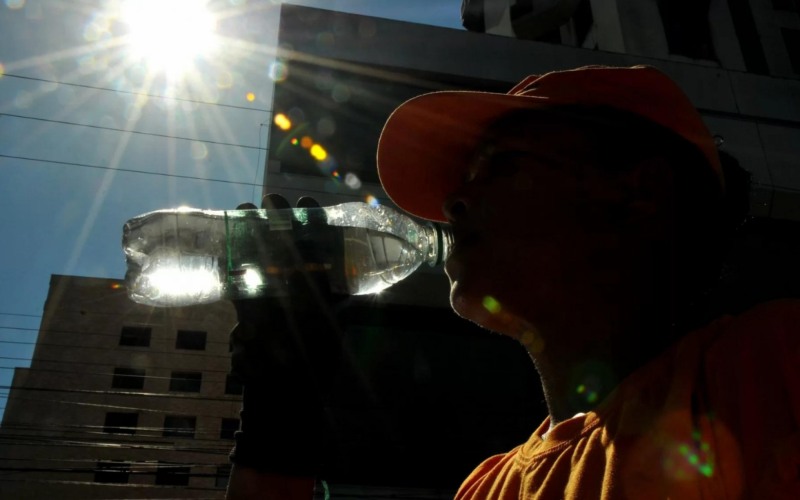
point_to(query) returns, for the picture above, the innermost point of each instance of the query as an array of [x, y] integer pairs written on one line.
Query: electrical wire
[[158, 395], [139, 486], [118, 407], [118, 348], [121, 462], [111, 374], [152, 134], [78, 427], [87, 363], [49, 330], [177, 176], [110, 442], [118, 438], [114, 446], [182, 99], [98, 313], [185, 434]]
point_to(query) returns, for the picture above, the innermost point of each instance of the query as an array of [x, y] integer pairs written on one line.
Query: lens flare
[[295, 142], [491, 304], [306, 142], [318, 152], [251, 96], [352, 181], [283, 122], [372, 201], [278, 71]]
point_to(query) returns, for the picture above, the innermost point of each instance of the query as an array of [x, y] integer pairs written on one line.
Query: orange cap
[[428, 141]]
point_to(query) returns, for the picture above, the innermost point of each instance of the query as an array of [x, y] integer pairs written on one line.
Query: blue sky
[[65, 219]]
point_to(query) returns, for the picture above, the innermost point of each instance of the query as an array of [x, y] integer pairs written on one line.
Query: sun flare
[[169, 35]]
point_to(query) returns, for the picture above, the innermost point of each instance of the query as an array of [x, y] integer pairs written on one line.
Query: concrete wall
[[77, 350], [769, 23]]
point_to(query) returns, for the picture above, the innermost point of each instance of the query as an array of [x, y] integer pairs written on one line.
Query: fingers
[[307, 202], [274, 201]]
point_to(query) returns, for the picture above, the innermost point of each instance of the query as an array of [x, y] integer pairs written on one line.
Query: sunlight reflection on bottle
[[194, 281]]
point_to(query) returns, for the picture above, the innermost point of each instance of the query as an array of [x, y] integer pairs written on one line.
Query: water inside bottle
[[374, 260], [178, 259]]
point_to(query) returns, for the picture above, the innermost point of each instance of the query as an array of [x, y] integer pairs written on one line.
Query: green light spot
[[592, 397], [704, 446], [693, 459], [581, 389], [696, 435], [683, 449], [706, 470], [491, 304]]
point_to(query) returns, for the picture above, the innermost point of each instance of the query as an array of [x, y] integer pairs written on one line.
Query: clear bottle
[[188, 256]]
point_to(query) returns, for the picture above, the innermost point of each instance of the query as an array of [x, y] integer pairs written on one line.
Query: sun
[[168, 35]]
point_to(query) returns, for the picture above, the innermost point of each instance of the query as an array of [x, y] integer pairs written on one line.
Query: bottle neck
[[440, 243]]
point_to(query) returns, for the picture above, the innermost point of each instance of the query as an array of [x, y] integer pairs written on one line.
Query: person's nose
[[456, 206]]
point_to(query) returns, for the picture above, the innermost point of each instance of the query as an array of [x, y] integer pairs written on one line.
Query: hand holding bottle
[[286, 349]]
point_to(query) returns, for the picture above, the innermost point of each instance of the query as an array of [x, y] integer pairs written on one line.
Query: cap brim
[[427, 143]]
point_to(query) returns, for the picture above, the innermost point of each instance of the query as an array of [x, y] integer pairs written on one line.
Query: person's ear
[[648, 187]]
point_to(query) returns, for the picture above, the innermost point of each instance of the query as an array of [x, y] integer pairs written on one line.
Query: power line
[[49, 330], [185, 433], [117, 407], [111, 374], [121, 462], [160, 470], [182, 99], [77, 427], [115, 438], [132, 131], [129, 170], [111, 439], [159, 395], [115, 446], [78, 311], [177, 176], [118, 348], [102, 364], [20, 314]]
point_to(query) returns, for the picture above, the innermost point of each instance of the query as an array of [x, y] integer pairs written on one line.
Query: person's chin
[[466, 301]]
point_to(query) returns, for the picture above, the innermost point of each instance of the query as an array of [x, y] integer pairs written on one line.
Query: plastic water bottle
[[188, 256]]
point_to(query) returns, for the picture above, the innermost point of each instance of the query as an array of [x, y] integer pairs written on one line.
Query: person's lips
[[462, 243]]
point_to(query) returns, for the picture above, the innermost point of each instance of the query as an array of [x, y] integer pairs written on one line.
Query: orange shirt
[[717, 416]]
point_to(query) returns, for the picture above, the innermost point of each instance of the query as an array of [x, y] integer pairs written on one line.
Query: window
[[229, 426], [185, 381], [128, 378], [687, 29], [787, 5], [181, 427], [121, 423], [115, 472], [584, 19], [792, 40], [187, 339], [135, 336], [223, 474], [233, 385], [169, 474]]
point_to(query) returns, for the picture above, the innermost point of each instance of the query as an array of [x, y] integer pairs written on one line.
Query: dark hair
[[706, 219]]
